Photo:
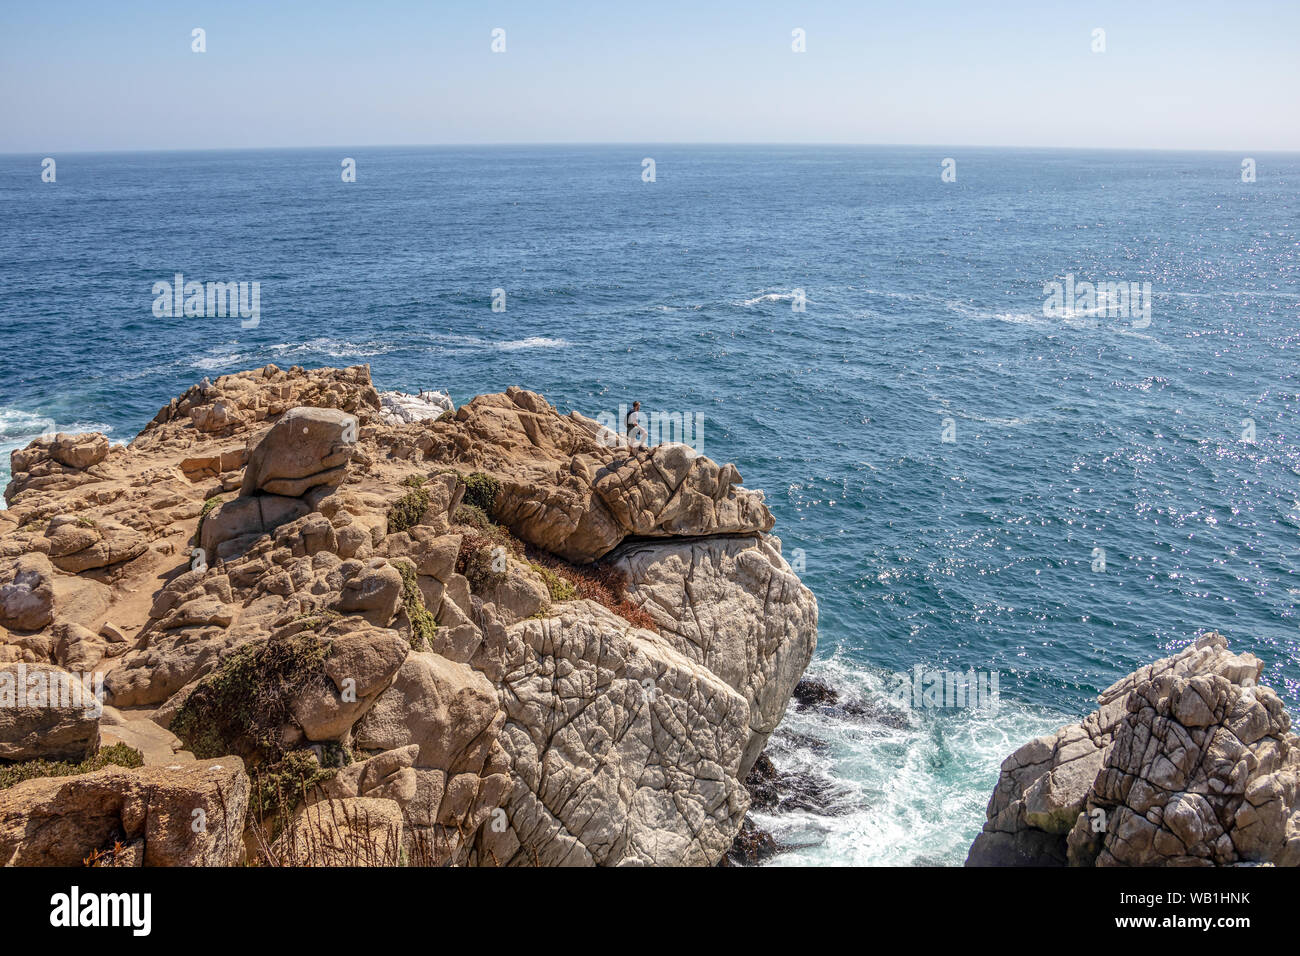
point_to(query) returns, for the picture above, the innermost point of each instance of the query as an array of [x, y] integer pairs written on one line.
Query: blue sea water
[[924, 303]]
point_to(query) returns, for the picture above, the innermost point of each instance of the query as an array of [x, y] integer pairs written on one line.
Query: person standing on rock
[[634, 429]]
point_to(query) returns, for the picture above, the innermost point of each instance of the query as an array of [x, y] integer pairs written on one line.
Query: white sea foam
[[334, 348], [474, 343], [906, 791], [1019, 318], [944, 408], [532, 342], [212, 362], [1080, 320], [75, 427], [16, 423], [769, 297], [1233, 294], [992, 419], [235, 357], [1014, 318], [905, 296]]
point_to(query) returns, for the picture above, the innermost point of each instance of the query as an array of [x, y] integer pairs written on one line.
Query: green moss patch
[[209, 506], [423, 624], [318, 619], [279, 787], [481, 491], [117, 755], [241, 706], [561, 589], [473, 516], [407, 511], [483, 544]]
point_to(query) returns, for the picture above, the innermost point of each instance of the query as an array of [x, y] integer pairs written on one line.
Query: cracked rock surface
[[733, 605], [277, 541], [1186, 762]]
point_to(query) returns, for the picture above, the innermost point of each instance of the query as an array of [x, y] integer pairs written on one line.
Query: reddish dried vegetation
[[602, 583]]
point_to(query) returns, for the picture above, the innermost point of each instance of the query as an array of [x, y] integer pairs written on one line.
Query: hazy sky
[[121, 75]]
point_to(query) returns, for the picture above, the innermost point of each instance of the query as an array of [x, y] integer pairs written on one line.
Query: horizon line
[[643, 143]]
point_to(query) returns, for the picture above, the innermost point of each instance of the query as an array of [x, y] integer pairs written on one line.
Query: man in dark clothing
[[636, 435]]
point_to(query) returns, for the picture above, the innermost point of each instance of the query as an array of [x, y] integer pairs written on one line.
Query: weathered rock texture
[[281, 529], [565, 490], [733, 605], [55, 726], [305, 449], [622, 749], [186, 815], [1187, 762]]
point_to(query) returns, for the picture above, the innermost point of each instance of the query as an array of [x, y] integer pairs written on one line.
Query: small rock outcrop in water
[[774, 790], [1187, 762], [485, 638]]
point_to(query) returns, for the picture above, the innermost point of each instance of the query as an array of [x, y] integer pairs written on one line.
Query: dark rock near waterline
[[813, 692], [764, 792], [788, 741], [753, 846], [775, 791], [772, 790]]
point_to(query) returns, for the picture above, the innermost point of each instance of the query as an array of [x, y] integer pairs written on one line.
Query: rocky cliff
[[493, 637], [1187, 762]]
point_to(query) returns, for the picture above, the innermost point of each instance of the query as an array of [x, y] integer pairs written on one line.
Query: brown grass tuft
[[602, 583]]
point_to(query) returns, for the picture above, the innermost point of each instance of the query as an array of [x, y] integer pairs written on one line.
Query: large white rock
[[399, 407], [526, 729], [623, 751], [733, 605]]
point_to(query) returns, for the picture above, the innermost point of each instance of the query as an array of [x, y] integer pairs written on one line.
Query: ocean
[[969, 479]]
